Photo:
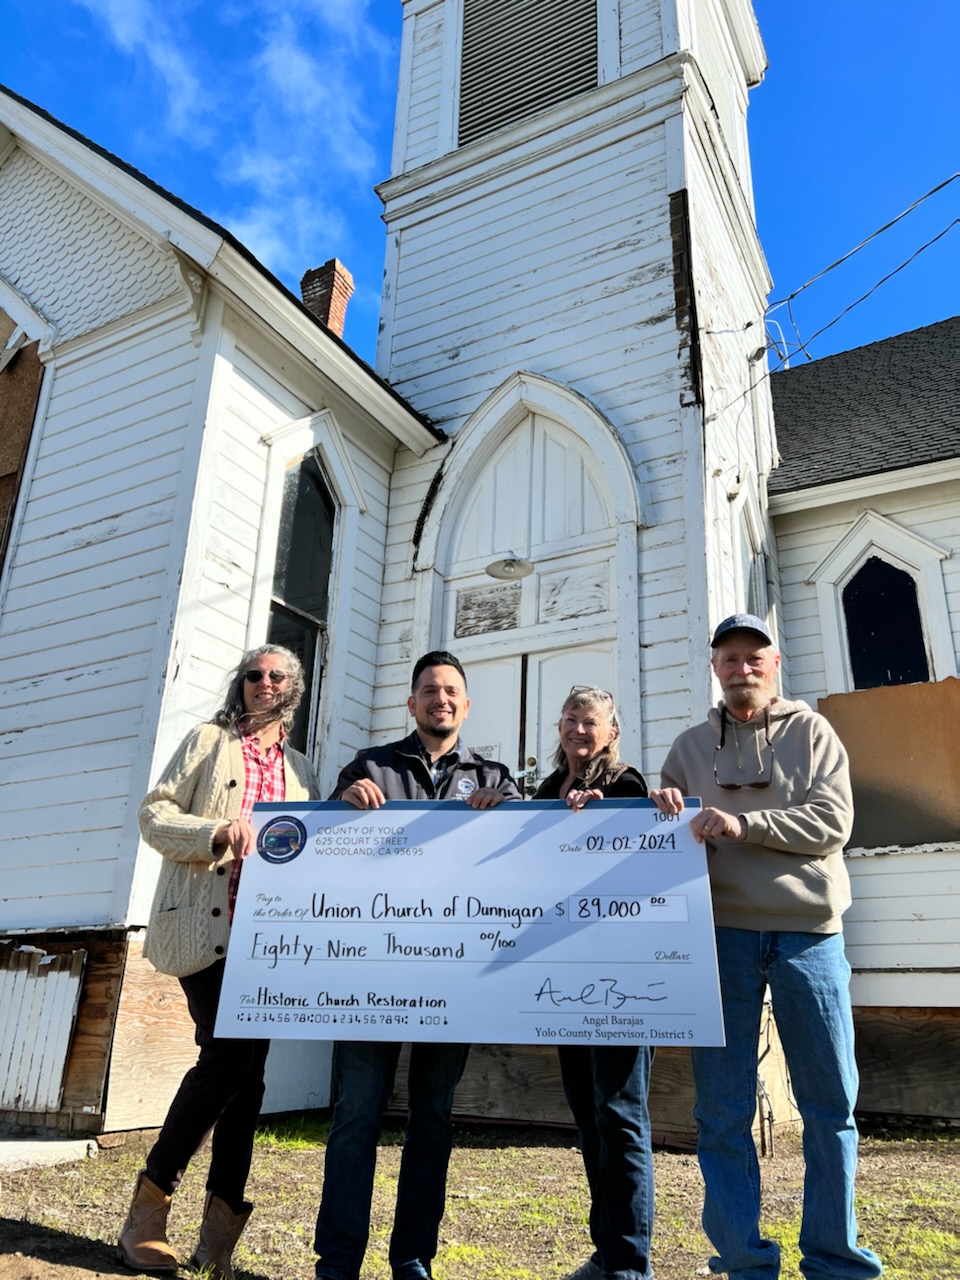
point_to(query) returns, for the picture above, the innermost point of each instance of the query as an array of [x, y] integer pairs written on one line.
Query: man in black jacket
[[431, 764]]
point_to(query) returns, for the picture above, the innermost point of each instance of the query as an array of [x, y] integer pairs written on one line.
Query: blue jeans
[[363, 1078], [607, 1088], [809, 980]]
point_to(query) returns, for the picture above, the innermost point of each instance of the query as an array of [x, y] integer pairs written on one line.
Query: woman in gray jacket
[[198, 817]]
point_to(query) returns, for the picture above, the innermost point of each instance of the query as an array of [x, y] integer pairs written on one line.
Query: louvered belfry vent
[[521, 56]]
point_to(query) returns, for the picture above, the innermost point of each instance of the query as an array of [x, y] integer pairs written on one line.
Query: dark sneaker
[[414, 1270], [586, 1271]]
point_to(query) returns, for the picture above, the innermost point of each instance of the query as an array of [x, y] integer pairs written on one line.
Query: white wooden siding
[[211, 627], [730, 291], [589, 268], [230, 546], [805, 538], [424, 102], [904, 927], [567, 270], [722, 71], [641, 38], [81, 622]]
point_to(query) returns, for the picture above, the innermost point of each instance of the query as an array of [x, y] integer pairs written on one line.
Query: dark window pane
[[305, 545], [300, 636], [883, 626]]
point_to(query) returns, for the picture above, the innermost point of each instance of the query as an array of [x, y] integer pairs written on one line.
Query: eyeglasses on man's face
[[764, 774], [275, 677]]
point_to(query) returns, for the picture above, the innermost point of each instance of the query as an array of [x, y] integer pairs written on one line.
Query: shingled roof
[[883, 407]]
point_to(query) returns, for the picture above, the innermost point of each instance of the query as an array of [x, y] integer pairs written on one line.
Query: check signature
[[604, 992]]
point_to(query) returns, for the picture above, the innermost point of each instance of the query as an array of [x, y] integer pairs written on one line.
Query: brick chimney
[[326, 291]]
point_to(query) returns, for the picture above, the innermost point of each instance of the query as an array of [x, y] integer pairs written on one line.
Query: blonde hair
[[590, 698]]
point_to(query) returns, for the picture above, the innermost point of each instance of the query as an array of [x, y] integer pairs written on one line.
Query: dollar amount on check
[[523, 924]]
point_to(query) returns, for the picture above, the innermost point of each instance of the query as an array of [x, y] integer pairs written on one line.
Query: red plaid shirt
[[263, 781]]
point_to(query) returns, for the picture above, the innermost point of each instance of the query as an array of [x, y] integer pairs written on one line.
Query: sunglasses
[[589, 688], [761, 780], [254, 677]]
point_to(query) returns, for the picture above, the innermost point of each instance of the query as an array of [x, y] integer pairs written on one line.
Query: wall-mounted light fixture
[[509, 568]]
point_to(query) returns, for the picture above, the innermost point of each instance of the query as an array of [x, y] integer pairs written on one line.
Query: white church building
[[560, 470]]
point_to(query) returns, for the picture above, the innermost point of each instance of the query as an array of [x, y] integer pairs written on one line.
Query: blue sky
[[274, 118]]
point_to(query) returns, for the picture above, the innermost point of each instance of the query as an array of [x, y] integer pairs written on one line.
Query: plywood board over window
[[904, 747]]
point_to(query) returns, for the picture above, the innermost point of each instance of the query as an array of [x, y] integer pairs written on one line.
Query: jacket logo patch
[[466, 787], [281, 840]]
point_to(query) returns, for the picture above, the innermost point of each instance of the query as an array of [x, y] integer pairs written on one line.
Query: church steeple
[[571, 198]]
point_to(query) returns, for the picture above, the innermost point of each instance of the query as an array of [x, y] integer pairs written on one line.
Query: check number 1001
[[652, 910]]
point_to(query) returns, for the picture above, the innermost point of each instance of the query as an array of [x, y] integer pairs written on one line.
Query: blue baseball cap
[[742, 622]]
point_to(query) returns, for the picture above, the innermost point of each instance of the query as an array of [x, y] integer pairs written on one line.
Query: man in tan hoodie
[[777, 810]]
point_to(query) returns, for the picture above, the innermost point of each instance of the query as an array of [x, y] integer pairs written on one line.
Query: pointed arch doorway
[[536, 474]]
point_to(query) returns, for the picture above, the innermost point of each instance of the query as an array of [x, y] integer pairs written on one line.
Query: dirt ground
[[516, 1210]]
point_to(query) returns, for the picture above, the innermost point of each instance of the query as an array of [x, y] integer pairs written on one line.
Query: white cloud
[[349, 19], [284, 235], [136, 27], [285, 102], [318, 95]]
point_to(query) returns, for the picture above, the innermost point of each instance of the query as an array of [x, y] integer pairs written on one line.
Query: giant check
[[523, 924]]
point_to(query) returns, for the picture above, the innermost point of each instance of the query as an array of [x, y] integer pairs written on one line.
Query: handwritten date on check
[[523, 924]]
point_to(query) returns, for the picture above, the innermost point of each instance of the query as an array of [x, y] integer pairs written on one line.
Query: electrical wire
[[874, 288], [804, 345], [880, 230]]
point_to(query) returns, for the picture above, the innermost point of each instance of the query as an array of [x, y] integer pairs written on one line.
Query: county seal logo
[[282, 839]]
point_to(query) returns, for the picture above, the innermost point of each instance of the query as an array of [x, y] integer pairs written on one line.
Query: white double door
[[516, 700]]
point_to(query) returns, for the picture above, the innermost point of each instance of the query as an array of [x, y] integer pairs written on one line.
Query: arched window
[[301, 579], [883, 607], [884, 630]]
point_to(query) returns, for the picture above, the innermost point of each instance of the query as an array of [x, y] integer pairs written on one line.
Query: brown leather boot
[[143, 1240], [219, 1233]]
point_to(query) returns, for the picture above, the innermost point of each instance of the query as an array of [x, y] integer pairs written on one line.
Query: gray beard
[[747, 697]]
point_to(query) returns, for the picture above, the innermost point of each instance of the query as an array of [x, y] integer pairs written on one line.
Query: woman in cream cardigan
[[198, 817]]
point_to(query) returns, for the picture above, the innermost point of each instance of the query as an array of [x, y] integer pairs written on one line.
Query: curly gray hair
[[234, 708]]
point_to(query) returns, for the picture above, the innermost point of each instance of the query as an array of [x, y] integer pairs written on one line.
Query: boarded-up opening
[[153, 1046], [907, 1060], [38, 995], [904, 747]]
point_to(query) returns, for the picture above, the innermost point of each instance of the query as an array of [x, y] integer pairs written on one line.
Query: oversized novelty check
[[523, 924]]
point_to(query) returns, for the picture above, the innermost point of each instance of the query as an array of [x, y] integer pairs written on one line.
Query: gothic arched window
[[884, 630], [301, 579]]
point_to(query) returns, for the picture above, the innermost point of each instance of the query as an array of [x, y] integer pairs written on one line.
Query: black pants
[[223, 1092]]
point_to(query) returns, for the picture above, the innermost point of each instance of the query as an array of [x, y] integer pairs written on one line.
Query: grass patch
[[517, 1207]]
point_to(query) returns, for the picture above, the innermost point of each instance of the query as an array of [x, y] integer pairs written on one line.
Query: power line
[[874, 288], [804, 345], [880, 230]]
